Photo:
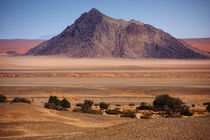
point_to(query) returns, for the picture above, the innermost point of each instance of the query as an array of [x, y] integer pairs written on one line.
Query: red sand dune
[[18, 45], [23, 45], [200, 43]]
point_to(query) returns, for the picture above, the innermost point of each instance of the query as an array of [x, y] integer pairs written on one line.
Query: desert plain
[[111, 80]]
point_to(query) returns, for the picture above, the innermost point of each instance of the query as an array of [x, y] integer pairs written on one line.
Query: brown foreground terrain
[[114, 81], [25, 121]]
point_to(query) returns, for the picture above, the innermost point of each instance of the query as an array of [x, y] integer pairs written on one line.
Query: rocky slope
[[95, 35]]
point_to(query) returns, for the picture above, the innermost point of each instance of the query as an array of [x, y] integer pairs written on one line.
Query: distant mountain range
[[96, 35]]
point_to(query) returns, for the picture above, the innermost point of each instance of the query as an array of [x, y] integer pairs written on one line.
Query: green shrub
[[65, 103], [166, 100], [55, 103], [207, 106], [23, 100], [103, 105], [96, 104], [144, 106], [51, 106], [86, 107], [171, 106], [128, 113], [55, 100], [79, 104], [131, 104], [184, 110], [3, 98], [115, 111]]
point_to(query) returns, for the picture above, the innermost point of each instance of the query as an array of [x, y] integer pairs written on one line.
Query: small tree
[[170, 105], [103, 105], [55, 103], [23, 100], [3, 98], [86, 107], [144, 106], [65, 103], [55, 100]]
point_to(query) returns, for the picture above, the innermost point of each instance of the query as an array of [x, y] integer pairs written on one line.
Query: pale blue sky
[[31, 19]]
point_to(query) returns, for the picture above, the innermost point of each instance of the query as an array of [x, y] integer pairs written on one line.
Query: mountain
[[96, 35], [17, 45]]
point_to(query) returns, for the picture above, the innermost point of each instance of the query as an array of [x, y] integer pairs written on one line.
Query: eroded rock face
[[95, 35]]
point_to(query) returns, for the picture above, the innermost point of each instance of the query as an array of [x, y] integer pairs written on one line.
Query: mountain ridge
[[94, 34]]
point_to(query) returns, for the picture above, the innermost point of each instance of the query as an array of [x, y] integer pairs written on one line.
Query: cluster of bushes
[[23, 100], [86, 107], [171, 106], [55, 103], [128, 113], [15, 100]]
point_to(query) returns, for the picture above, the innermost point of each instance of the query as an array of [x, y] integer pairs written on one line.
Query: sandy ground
[[25, 121], [114, 81]]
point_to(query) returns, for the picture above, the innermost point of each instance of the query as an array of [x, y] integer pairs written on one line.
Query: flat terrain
[[114, 81]]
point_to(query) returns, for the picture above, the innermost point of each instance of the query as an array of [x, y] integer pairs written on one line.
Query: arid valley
[[104, 70], [119, 82]]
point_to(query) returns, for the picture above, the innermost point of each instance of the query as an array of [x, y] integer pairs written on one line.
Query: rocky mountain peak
[[95, 35]]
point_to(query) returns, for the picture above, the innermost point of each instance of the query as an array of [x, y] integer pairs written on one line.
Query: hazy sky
[[34, 18]]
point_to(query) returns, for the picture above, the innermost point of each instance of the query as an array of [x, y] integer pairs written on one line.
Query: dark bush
[[103, 105], [86, 107], [79, 104], [144, 106], [166, 100], [129, 114], [3, 98], [65, 103], [23, 100], [96, 104], [170, 105], [118, 105], [55, 103], [115, 111], [193, 105], [51, 106], [131, 104], [55, 100], [184, 110], [207, 106]]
